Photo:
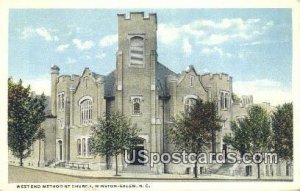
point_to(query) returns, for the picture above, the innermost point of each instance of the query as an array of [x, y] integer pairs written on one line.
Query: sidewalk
[[110, 174]]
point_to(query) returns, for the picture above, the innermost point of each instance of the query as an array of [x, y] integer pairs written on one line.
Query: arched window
[[191, 81], [60, 147], [86, 79], [86, 111], [136, 50], [189, 104], [78, 147], [61, 101], [224, 100], [136, 103]]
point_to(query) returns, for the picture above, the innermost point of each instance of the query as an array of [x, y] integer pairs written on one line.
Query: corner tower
[[54, 75]]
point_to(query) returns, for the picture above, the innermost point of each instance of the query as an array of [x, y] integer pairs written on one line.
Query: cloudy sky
[[254, 46]]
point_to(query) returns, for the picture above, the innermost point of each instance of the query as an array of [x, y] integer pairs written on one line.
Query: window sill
[[85, 157], [137, 65], [86, 125]]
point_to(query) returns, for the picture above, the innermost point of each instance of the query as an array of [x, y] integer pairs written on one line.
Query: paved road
[[18, 174], [24, 175]]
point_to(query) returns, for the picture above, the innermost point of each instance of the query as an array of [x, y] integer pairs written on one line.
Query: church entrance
[[137, 160], [134, 156]]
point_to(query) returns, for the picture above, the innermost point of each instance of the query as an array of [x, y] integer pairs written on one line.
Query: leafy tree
[[112, 135], [252, 134], [283, 131], [194, 131], [240, 141], [25, 114]]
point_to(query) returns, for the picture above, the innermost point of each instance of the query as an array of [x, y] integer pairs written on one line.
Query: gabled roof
[[94, 75], [188, 70]]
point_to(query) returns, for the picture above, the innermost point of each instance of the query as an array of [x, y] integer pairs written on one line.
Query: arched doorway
[[60, 147], [133, 156]]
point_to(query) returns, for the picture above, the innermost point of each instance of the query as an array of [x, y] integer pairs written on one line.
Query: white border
[[5, 5]]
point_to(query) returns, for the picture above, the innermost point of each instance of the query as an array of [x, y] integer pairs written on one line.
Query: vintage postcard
[[194, 96]]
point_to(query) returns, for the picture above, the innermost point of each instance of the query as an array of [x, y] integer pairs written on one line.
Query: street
[[24, 175], [18, 174]]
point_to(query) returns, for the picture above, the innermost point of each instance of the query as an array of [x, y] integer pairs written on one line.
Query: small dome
[[54, 67]]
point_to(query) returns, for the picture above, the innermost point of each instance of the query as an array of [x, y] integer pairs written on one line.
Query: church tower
[[136, 95]]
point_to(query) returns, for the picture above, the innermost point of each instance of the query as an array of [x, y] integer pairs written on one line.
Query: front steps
[[213, 168], [137, 169], [226, 169]]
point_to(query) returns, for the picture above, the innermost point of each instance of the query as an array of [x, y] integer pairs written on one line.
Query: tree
[[252, 134], [283, 131], [240, 141], [112, 135], [25, 114], [194, 131]]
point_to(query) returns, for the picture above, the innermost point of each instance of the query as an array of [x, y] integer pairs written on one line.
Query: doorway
[[225, 151], [60, 150], [248, 170], [134, 156]]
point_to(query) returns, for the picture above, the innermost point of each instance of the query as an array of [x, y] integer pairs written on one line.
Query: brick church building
[[142, 89]]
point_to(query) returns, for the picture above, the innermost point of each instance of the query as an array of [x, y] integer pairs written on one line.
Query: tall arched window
[[136, 50], [188, 104], [136, 103], [86, 111], [61, 101], [224, 100], [60, 151], [78, 147], [192, 81], [86, 79]]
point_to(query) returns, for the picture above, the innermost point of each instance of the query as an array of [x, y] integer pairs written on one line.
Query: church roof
[[97, 76], [161, 81], [109, 84], [162, 73]]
